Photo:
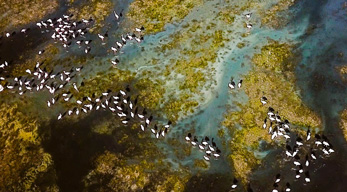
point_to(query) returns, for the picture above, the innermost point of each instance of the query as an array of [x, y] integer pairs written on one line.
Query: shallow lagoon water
[[320, 85]]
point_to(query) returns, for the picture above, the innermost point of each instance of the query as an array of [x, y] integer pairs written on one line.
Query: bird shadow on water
[[73, 146]]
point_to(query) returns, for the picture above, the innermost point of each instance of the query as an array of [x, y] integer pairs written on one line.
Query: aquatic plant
[[150, 92], [272, 17], [154, 14], [113, 172], [15, 13], [23, 163], [98, 10], [343, 123], [200, 163], [342, 70], [271, 76]]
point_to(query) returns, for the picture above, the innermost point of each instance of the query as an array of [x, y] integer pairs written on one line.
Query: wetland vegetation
[[271, 76]]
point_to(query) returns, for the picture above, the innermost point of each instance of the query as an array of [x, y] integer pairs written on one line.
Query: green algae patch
[[194, 71], [281, 95], [15, 13], [96, 9], [343, 123], [154, 14], [272, 18], [134, 164], [240, 45], [178, 87], [227, 16], [342, 70], [276, 57], [113, 172], [114, 80], [199, 163], [23, 163], [272, 76], [176, 108], [150, 92], [103, 128]]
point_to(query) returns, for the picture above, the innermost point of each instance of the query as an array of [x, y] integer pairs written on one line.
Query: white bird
[[206, 158], [119, 44], [286, 136], [264, 125], [231, 84], [248, 15], [75, 87], [289, 154], [307, 177], [122, 92], [115, 15], [249, 25], [216, 155], [188, 137], [274, 135], [308, 135], [278, 179], [39, 25], [115, 62], [114, 50], [101, 37], [60, 116], [263, 100], [239, 84], [235, 181], [325, 143], [138, 39], [296, 163], [139, 29]]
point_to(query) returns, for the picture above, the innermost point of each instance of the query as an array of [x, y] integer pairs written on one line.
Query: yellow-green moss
[[113, 172], [96, 9], [154, 14], [272, 76], [21, 12], [271, 18], [276, 57], [23, 160], [240, 45], [342, 70], [199, 163], [343, 123]]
